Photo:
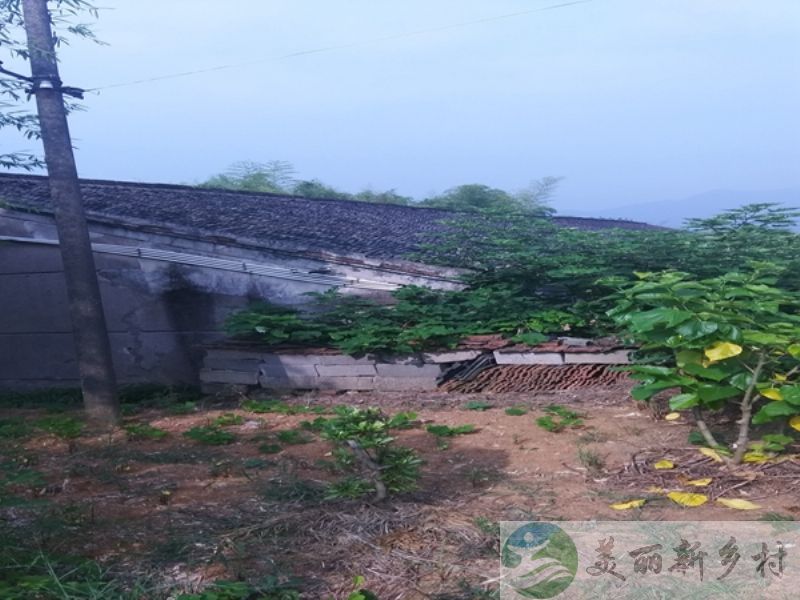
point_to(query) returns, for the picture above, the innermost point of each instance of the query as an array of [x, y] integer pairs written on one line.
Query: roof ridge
[[214, 190]]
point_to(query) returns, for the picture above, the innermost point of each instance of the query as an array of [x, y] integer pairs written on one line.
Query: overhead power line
[[343, 46]]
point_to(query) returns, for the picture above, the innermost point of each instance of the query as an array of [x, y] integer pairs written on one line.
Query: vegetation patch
[[557, 418], [210, 435], [144, 431]]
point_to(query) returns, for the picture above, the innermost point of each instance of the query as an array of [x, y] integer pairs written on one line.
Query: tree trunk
[[746, 413], [85, 304]]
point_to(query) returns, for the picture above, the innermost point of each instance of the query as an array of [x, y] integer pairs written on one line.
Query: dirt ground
[[193, 513]]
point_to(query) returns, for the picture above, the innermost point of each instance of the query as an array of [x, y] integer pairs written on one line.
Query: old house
[[174, 261]]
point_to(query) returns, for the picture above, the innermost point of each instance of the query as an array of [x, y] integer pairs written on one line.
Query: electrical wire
[[322, 49]]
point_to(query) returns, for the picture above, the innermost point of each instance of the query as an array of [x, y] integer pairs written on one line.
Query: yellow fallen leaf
[[654, 489], [664, 464], [794, 423], [712, 454], [699, 482], [756, 457], [673, 416], [722, 350], [738, 503], [629, 504], [772, 394], [687, 499]]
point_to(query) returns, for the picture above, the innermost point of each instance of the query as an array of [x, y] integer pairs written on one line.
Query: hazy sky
[[629, 100]]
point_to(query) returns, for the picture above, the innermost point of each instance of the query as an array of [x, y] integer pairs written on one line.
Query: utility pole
[[85, 304]]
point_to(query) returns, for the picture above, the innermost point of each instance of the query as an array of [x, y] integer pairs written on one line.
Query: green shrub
[[144, 431], [516, 411], [293, 437], [445, 431], [558, 418], [479, 405], [367, 452], [210, 435], [228, 419], [270, 448], [62, 426]]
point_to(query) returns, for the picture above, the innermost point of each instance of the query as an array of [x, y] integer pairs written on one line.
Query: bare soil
[[191, 513]]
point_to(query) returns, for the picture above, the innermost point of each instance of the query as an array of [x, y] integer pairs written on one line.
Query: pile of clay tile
[[532, 378]]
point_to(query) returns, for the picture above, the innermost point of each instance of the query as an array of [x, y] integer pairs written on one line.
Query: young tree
[[734, 338]]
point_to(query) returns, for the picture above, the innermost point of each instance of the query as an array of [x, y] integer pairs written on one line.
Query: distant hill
[[671, 213]]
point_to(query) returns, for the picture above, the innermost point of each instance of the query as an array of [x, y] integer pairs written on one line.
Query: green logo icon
[[539, 560]]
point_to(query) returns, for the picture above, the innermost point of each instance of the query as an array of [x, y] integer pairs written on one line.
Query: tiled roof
[[270, 220]]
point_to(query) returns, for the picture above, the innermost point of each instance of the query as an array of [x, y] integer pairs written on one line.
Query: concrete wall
[[247, 367], [160, 314], [239, 367]]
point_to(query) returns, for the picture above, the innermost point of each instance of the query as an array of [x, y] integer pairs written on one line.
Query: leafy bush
[[367, 451], [733, 339], [270, 588], [211, 435], [516, 411]]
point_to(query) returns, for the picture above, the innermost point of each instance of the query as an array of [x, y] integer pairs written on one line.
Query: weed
[[293, 437], [592, 461], [13, 429], [558, 418], [349, 488], [488, 527], [228, 419], [516, 411], [210, 435], [53, 397], [445, 431], [270, 448], [479, 405], [182, 408], [316, 425], [144, 431], [592, 437], [270, 588], [62, 426]]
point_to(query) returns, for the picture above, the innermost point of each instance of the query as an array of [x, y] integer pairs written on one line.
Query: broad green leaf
[[713, 373], [761, 338], [773, 410], [722, 350], [741, 381], [692, 330], [687, 357], [791, 393], [683, 401], [794, 350], [650, 319], [709, 392], [652, 370]]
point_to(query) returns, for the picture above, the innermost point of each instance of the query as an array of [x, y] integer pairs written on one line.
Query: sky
[[631, 101]]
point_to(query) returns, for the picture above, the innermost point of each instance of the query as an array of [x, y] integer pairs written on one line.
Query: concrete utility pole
[[85, 304]]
